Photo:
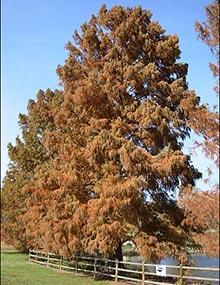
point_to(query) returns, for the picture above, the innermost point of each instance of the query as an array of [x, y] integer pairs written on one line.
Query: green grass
[[17, 270]]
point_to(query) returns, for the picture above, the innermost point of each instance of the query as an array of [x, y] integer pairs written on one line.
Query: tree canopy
[[202, 210], [206, 123], [208, 32], [28, 154], [103, 159]]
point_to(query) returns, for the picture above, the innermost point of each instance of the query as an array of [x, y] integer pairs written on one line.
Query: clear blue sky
[[34, 34]]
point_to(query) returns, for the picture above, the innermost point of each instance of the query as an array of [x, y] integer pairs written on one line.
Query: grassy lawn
[[17, 270]]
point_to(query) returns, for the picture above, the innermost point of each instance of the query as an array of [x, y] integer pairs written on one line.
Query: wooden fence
[[141, 273]]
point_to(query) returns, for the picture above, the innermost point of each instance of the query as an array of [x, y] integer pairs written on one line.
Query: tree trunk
[[119, 255]]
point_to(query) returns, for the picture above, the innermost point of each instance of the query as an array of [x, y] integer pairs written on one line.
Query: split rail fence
[[140, 273]]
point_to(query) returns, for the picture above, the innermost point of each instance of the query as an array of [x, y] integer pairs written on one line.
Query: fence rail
[[142, 273]]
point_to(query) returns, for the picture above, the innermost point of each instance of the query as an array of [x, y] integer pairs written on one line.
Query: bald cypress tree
[[119, 139], [205, 216], [58, 195], [203, 120], [26, 156], [116, 162], [208, 32]]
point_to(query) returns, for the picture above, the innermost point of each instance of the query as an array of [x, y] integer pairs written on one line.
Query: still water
[[197, 259]]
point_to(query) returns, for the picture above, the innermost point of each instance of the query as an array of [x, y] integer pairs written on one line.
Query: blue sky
[[34, 34]]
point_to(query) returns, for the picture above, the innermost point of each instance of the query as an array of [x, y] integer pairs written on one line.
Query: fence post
[[143, 273], [60, 262], [76, 265], [48, 259], [181, 275], [116, 270], [95, 267]]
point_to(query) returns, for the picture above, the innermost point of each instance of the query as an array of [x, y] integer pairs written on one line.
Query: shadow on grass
[[12, 252]]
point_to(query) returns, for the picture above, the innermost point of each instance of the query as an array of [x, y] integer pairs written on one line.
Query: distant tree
[[202, 210], [26, 156], [203, 207], [208, 32], [205, 121], [12, 207]]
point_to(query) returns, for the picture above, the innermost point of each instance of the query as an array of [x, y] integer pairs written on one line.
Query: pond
[[198, 260]]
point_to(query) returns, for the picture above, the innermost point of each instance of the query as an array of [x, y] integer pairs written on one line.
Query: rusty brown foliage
[[28, 154], [208, 32], [202, 211], [114, 160], [206, 121], [118, 139]]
